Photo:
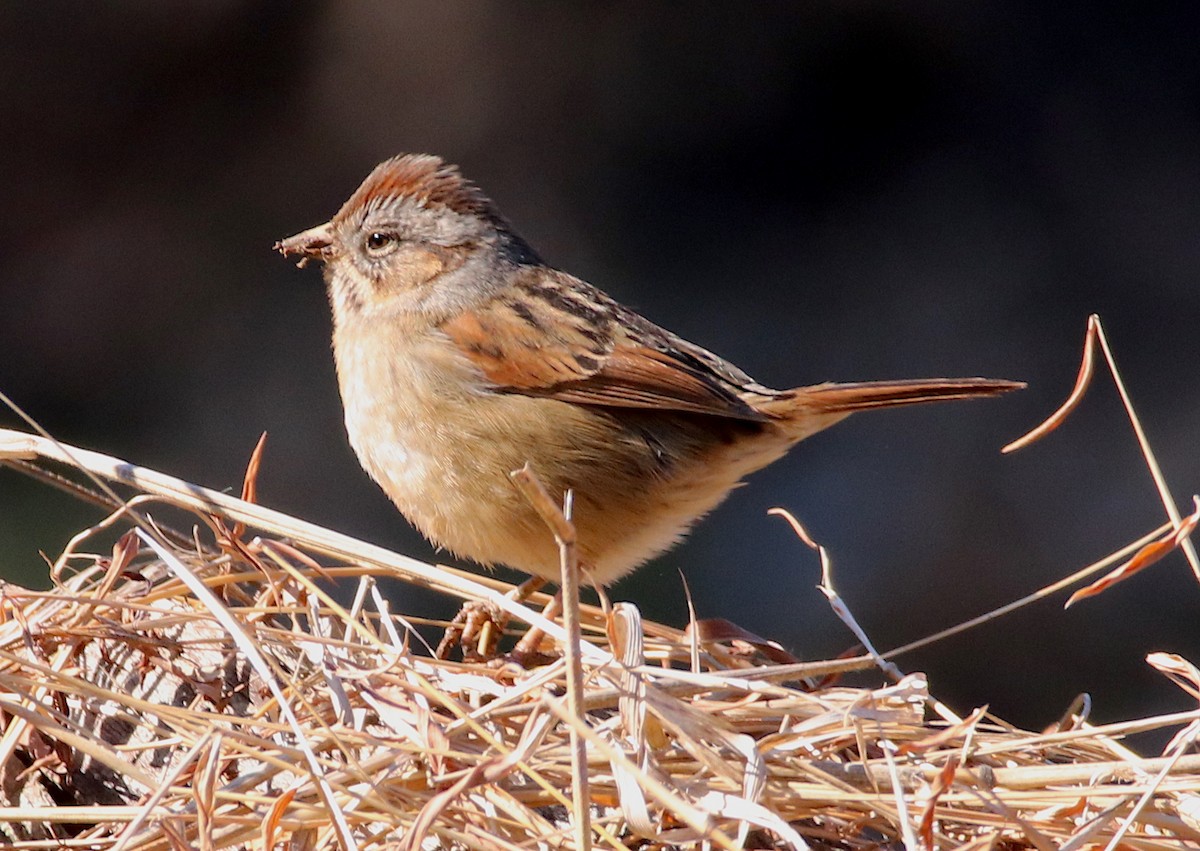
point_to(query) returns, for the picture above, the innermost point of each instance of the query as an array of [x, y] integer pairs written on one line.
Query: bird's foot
[[477, 628]]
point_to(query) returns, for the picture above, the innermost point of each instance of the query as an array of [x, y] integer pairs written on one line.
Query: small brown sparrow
[[461, 356]]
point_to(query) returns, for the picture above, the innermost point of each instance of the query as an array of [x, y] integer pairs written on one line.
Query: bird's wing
[[553, 336]]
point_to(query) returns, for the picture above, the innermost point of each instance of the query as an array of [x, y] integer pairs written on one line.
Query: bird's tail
[[860, 396], [816, 407]]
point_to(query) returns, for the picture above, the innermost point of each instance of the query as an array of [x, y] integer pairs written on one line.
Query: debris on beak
[[312, 244]]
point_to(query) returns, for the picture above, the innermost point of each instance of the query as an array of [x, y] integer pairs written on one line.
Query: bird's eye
[[379, 243]]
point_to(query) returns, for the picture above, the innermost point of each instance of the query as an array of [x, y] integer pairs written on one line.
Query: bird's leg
[[527, 649]]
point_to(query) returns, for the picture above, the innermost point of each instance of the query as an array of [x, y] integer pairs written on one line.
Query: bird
[[461, 356]]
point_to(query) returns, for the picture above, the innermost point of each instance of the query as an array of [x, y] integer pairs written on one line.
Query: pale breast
[[441, 445], [395, 393]]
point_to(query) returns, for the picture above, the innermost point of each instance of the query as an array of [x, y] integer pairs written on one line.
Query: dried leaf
[[1143, 558], [270, 825], [1182, 672], [1082, 380], [941, 782], [725, 631], [250, 481], [946, 737]]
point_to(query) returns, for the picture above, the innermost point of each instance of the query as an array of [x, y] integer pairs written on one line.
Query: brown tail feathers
[[864, 395]]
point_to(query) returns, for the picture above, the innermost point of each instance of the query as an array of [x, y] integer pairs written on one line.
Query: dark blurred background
[[815, 191]]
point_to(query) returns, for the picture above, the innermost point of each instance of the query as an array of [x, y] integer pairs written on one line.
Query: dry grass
[[206, 691]]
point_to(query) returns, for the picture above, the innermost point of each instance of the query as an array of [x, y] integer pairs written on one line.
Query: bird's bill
[[312, 244]]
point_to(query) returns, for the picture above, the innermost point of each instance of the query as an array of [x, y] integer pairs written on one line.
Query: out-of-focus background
[[815, 191]]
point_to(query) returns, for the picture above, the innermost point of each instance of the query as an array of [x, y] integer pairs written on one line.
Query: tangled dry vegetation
[[205, 690]]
